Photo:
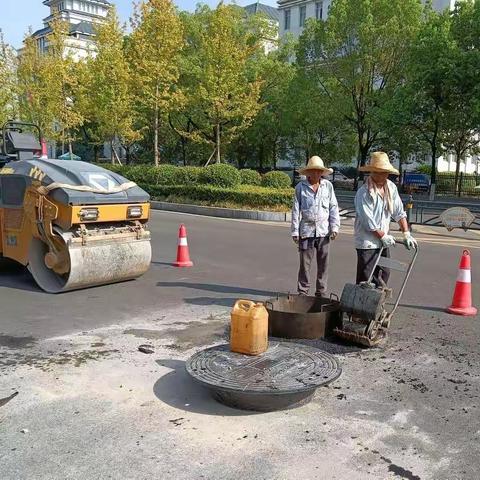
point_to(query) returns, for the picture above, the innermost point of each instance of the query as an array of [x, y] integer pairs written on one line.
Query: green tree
[[312, 125], [34, 92], [222, 90], [396, 133], [8, 85], [59, 69], [421, 102], [462, 112], [49, 87], [154, 48], [107, 98], [258, 145], [357, 58]]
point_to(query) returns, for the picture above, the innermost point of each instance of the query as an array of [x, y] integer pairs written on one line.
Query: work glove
[[387, 241], [333, 235], [295, 240], [409, 241]]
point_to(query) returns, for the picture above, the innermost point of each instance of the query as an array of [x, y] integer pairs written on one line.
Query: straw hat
[[379, 162], [315, 163]]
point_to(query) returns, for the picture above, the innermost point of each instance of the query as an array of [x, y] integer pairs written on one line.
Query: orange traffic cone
[[462, 297], [183, 256]]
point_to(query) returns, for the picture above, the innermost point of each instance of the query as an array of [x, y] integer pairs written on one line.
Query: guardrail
[[424, 212]]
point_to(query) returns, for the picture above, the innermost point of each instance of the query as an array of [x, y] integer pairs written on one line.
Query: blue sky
[[17, 15]]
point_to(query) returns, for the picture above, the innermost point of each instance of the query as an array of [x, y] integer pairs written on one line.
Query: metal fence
[[466, 185], [419, 212]]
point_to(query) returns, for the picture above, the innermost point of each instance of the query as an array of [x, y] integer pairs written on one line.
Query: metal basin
[[301, 316]]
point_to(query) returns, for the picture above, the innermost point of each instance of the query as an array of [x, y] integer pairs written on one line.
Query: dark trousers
[[309, 248], [366, 260]]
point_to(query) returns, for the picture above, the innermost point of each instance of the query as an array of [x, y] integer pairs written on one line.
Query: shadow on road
[[423, 307], [14, 275], [178, 390], [163, 264], [206, 301], [211, 287]]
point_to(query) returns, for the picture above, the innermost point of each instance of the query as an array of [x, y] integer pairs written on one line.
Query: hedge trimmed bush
[[188, 175], [250, 177], [162, 175], [276, 179], [220, 175], [244, 196]]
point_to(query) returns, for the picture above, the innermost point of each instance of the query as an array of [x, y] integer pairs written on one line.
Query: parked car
[[339, 177], [416, 182]]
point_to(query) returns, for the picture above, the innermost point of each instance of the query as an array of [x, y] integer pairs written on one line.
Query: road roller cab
[[74, 224]]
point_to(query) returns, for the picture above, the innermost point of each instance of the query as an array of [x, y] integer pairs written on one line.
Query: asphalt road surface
[[91, 405], [232, 259]]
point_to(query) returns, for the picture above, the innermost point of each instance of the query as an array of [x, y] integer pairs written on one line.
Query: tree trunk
[[156, 153], [127, 155], [217, 142], [400, 165], [184, 153], [70, 149], [274, 153], [95, 153], [433, 172], [361, 161], [112, 157], [458, 159]]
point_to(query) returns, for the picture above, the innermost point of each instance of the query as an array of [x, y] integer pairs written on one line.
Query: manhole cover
[[285, 376]]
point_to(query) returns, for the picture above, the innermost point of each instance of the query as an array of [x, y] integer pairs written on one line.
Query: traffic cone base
[[183, 255], [183, 264], [465, 311], [462, 296]]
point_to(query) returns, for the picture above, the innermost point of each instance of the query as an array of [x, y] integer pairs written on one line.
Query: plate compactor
[[365, 317], [73, 224]]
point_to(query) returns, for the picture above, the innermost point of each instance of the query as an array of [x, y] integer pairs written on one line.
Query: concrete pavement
[[91, 406]]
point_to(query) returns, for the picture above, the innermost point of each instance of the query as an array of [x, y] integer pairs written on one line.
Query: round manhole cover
[[286, 375]]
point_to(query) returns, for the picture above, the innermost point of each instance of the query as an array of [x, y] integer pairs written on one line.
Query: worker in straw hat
[[376, 202], [315, 221]]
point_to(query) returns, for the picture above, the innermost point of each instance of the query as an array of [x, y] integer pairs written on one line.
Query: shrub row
[[218, 175], [243, 196]]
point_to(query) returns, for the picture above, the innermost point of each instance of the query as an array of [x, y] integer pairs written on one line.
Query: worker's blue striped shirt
[[315, 214]]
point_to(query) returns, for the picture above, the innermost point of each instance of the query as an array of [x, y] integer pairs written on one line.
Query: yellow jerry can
[[249, 328]]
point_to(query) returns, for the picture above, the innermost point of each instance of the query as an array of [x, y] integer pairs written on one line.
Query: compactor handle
[[393, 264]]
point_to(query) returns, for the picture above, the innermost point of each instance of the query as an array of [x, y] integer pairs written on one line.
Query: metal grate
[[286, 368]]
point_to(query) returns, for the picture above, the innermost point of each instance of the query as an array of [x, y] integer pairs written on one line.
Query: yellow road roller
[[73, 224]]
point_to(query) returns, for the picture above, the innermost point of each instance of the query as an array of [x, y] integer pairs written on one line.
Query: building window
[[303, 15], [42, 44], [319, 10], [287, 19]]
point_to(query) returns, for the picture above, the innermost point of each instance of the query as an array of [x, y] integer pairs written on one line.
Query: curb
[[257, 215]]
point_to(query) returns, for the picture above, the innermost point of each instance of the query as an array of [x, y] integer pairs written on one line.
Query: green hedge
[[250, 177], [188, 175], [244, 196], [220, 175], [276, 179]]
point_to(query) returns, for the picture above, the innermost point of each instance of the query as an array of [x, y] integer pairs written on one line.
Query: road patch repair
[[91, 405]]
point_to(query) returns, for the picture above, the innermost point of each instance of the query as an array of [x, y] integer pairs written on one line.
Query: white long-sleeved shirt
[[372, 214], [314, 214]]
